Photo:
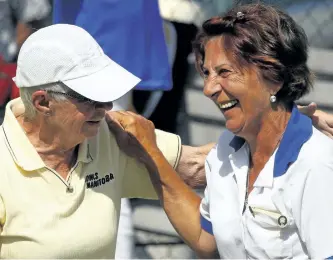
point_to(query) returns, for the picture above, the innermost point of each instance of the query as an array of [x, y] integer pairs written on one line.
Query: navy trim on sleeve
[[330, 257], [206, 225]]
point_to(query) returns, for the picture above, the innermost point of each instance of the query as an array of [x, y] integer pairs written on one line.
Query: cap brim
[[108, 84]]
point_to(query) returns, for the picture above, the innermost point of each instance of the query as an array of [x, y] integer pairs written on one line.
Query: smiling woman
[[254, 63], [247, 64], [265, 169]]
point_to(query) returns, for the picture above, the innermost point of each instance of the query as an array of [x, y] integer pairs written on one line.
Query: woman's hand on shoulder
[[321, 120]]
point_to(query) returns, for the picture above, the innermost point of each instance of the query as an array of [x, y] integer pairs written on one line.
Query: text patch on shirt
[[94, 180]]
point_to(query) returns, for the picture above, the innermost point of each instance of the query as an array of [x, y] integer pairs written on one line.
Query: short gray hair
[[26, 96]]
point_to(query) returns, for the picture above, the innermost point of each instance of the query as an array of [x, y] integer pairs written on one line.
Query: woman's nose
[[212, 89]]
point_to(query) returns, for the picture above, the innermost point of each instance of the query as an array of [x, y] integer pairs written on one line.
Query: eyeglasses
[[79, 98]]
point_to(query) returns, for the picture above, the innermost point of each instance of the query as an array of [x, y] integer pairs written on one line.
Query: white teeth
[[229, 104]]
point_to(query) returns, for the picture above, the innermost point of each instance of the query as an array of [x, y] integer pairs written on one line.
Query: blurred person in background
[[131, 33], [269, 178], [18, 19]]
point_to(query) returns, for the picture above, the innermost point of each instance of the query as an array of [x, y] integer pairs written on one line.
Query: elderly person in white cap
[[62, 174]]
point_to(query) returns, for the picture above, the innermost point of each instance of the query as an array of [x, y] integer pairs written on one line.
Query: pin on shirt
[[282, 221]]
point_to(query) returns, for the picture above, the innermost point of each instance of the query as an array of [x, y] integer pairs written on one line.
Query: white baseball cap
[[69, 54]]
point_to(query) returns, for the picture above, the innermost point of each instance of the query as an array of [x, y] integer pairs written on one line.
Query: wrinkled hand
[[308, 110], [321, 120], [135, 135]]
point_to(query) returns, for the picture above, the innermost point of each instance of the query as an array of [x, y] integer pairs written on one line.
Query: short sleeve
[[204, 206], [314, 215], [137, 182]]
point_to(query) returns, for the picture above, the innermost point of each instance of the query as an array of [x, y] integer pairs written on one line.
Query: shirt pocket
[[274, 232]]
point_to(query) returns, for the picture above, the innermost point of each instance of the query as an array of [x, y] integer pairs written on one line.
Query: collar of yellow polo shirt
[[43, 215]]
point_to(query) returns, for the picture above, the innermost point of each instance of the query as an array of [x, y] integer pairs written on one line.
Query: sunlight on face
[[239, 93]]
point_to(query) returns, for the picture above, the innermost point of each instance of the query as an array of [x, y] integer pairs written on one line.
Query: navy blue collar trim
[[298, 131], [236, 143]]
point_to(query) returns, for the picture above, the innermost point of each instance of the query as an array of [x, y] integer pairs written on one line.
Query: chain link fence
[[315, 16]]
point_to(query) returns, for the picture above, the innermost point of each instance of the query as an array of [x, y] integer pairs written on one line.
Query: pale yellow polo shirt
[[44, 216]]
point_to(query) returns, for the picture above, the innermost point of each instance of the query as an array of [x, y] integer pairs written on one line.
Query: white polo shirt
[[44, 216], [292, 202]]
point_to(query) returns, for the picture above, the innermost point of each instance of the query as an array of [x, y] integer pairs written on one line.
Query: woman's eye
[[205, 73], [224, 72]]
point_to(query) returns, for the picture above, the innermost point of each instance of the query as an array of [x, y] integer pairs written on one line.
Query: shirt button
[[70, 189]]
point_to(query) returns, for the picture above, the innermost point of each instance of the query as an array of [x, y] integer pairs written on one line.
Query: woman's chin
[[234, 127]]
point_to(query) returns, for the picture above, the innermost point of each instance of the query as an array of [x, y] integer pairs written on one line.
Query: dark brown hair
[[267, 37]]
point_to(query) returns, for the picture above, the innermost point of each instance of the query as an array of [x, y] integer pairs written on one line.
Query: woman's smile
[[224, 106]]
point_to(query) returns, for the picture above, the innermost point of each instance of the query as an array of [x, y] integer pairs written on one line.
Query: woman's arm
[[181, 203]]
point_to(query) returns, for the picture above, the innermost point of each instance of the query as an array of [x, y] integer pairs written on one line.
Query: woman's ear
[[41, 102], [276, 88]]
